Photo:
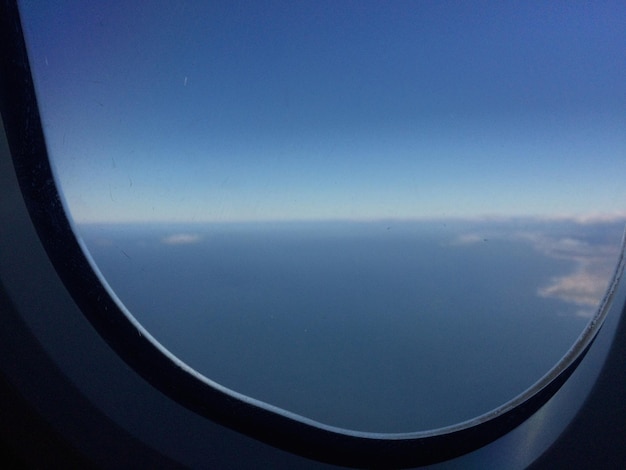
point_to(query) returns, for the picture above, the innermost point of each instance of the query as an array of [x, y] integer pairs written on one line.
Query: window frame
[[44, 218]]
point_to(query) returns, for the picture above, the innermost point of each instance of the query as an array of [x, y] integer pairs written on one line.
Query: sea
[[382, 326]]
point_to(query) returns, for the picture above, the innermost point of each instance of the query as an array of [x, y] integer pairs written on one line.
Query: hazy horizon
[[576, 218]]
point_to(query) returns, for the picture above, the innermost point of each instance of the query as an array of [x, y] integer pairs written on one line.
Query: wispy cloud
[[585, 286], [181, 239], [594, 262]]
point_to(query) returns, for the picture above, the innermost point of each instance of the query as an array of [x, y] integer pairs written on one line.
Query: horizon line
[[582, 219]]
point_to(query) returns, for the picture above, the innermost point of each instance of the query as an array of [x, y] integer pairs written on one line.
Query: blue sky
[[218, 111]]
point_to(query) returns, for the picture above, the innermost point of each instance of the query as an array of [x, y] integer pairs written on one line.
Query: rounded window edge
[[250, 417]]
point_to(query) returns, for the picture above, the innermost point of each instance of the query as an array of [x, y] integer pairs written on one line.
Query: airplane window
[[384, 218]]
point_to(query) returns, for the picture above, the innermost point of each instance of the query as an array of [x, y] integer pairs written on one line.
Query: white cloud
[[582, 288], [594, 263], [468, 239], [585, 286], [585, 218], [569, 248], [181, 239]]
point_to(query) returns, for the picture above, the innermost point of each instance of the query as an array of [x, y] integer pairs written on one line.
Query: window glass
[[384, 217]]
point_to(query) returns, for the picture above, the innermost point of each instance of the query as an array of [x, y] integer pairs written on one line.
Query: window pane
[[382, 217]]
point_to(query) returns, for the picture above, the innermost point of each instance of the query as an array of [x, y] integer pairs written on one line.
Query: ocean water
[[381, 326]]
